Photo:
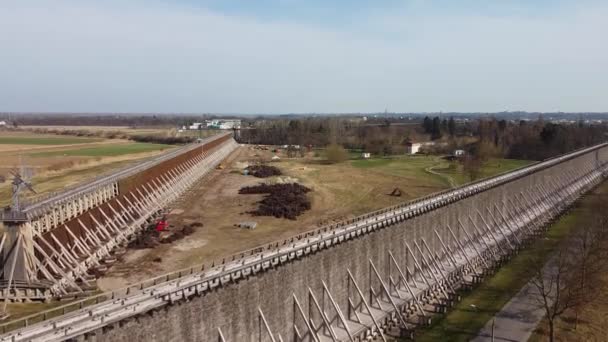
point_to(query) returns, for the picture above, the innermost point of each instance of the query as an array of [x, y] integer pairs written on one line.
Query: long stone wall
[[233, 308]]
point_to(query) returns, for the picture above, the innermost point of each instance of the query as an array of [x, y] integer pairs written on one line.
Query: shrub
[[336, 153]]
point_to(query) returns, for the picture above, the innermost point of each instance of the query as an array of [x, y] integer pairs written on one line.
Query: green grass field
[[411, 167], [372, 163], [463, 322], [109, 150], [490, 168], [416, 166], [33, 140]]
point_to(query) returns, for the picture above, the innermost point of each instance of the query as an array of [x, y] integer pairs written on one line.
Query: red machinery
[[162, 224]]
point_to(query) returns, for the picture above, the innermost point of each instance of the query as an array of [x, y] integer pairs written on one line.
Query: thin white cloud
[[70, 56]]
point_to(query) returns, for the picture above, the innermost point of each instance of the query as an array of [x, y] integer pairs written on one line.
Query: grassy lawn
[[416, 166], [463, 322], [409, 167], [42, 140], [370, 163], [109, 150], [490, 168]]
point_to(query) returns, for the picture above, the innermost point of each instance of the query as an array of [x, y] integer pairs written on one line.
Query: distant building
[[295, 147], [412, 148], [366, 155], [3, 123], [223, 124], [196, 125]]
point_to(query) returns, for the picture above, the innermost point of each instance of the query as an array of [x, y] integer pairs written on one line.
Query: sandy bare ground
[[339, 192]]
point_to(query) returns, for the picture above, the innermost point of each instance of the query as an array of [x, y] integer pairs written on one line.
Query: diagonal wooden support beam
[[326, 324], [488, 232], [220, 335], [461, 247], [16, 248], [472, 243], [311, 332], [338, 312], [488, 228], [74, 266], [449, 253], [84, 250], [407, 286], [57, 269], [435, 263], [264, 322], [365, 304], [417, 265], [92, 237], [101, 228], [438, 283], [497, 224], [388, 294]]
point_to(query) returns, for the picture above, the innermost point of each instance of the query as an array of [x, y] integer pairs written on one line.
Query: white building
[[3, 123], [223, 124], [412, 148], [196, 125]]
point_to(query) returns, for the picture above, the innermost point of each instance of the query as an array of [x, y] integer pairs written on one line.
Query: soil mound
[[151, 238], [283, 200], [263, 171]]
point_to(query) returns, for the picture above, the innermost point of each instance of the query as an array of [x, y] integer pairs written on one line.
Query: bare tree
[[557, 290], [573, 276], [590, 252], [471, 166]]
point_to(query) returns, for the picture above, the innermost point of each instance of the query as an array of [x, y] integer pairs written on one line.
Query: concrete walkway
[[517, 319]]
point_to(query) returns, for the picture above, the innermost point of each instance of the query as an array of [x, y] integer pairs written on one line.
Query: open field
[[163, 131], [43, 140], [56, 161], [340, 191], [122, 129], [463, 322], [489, 168], [105, 150]]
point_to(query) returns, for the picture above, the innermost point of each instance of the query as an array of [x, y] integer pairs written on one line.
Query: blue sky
[[280, 56]]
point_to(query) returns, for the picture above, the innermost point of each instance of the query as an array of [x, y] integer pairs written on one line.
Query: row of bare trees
[[575, 275], [383, 138], [536, 140]]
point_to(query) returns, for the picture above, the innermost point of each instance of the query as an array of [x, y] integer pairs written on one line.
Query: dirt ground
[[339, 192]]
